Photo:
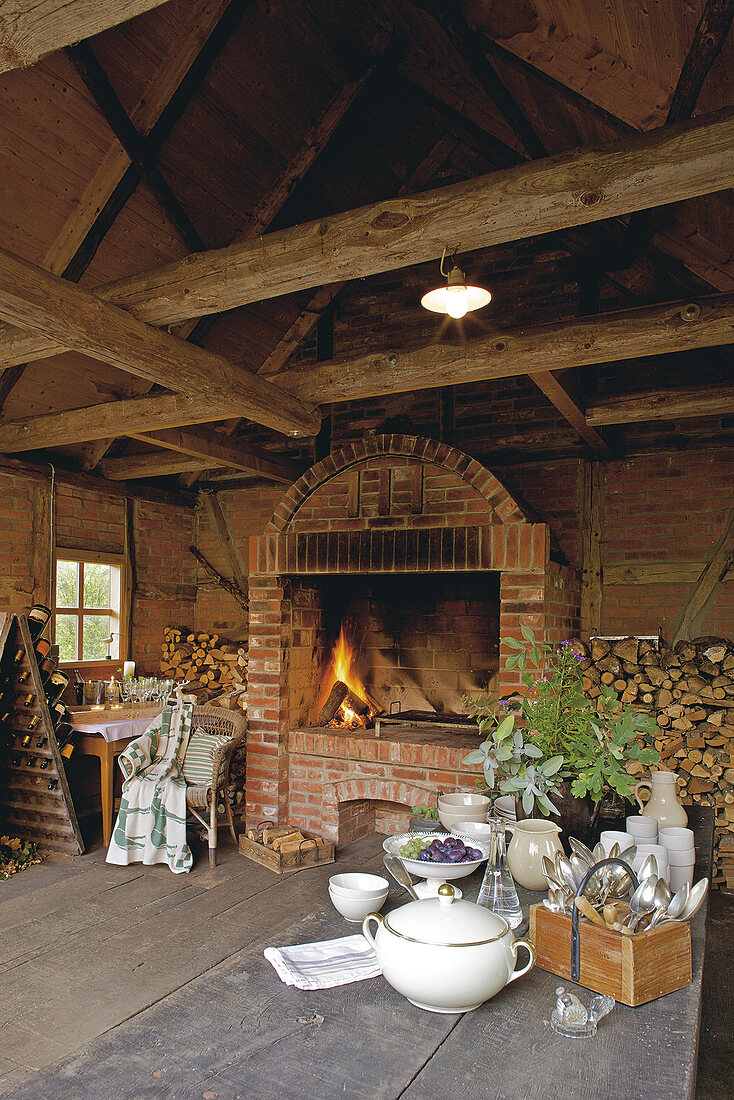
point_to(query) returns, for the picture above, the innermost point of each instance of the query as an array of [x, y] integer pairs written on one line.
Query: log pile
[[214, 668], [689, 690]]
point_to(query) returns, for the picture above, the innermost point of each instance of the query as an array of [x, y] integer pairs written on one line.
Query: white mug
[[678, 876], [681, 859]]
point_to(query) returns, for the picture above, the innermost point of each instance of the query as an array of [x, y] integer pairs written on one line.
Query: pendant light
[[456, 298]]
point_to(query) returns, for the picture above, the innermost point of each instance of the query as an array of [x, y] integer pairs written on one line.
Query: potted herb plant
[[553, 749]]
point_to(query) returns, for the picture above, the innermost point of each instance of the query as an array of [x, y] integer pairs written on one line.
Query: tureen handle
[[377, 918], [531, 962]]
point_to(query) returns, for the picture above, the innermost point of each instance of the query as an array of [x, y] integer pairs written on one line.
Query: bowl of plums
[[442, 857]]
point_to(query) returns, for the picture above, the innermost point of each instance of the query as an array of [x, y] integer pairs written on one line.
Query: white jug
[[532, 840], [663, 803]]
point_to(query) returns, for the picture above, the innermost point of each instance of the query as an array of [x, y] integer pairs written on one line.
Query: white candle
[[128, 670]]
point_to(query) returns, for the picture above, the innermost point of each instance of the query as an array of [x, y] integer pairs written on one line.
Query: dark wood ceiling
[[198, 124]]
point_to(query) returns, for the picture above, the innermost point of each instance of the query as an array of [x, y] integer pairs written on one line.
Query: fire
[[342, 662]]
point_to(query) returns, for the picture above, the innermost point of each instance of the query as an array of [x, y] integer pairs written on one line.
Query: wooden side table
[[94, 744]]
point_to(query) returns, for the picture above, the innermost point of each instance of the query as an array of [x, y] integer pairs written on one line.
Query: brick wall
[[663, 517]]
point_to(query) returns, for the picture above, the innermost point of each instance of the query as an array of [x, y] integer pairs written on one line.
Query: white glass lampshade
[[456, 298]]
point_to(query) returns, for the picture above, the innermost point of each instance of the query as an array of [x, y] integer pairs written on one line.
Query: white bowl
[[477, 830], [446, 872], [610, 837], [643, 827], [358, 885], [677, 839], [504, 806], [470, 801], [356, 909]]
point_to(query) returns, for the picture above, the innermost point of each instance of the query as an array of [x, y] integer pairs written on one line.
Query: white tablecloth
[[115, 730]]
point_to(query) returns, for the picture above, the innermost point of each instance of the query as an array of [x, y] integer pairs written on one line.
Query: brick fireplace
[[425, 553]]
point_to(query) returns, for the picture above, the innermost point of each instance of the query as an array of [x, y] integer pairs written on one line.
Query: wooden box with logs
[[284, 848], [632, 969]]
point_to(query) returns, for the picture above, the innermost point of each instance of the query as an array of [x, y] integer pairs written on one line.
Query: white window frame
[[114, 613]]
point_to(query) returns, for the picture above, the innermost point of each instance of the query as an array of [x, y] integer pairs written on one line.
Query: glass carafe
[[498, 891]]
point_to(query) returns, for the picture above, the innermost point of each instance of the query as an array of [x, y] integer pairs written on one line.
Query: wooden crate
[[632, 969], [312, 852]]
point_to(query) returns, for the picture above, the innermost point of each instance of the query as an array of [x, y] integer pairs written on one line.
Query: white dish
[[358, 884], [444, 872], [504, 806]]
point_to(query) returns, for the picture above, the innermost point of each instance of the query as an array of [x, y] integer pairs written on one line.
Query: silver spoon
[[695, 899], [580, 849], [642, 900], [549, 872], [649, 868], [398, 872], [661, 900], [565, 870]]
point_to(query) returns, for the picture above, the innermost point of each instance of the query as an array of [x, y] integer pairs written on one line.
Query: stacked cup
[[644, 829], [661, 856], [681, 851]]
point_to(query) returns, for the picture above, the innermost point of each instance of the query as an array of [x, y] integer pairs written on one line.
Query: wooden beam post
[[219, 450], [690, 620], [592, 536], [71, 316], [226, 542]]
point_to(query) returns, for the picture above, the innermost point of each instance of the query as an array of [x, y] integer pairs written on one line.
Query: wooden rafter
[[574, 188], [150, 464], [29, 29], [222, 452], [141, 151], [569, 408], [664, 403], [608, 337], [75, 318]]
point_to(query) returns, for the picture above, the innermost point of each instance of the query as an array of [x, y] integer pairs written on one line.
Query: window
[[87, 606]]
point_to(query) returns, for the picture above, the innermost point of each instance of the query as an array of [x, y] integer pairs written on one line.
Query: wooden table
[[238, 1032], [93, 742]]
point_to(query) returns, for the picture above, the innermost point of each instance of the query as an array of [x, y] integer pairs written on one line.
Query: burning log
[[337, 695], [356, 704]]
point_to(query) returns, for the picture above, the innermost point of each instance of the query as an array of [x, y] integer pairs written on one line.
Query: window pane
[[96, 633], [96, 585], [67, 584], [66, 627]]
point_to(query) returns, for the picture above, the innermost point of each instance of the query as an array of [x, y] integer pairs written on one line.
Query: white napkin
[[325, 964]]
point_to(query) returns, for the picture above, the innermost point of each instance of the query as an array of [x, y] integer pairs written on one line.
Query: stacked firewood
[[214, 668], [689, 690]]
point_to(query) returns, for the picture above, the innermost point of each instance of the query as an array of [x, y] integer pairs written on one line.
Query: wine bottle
[[34, 722], [38, 617], [44, 764], [55, 686], [58, 713], [53, 784], [31, 762], [25, 741], [41, 742], [19, 655], [29, 700], [5, 717], [24, 676]]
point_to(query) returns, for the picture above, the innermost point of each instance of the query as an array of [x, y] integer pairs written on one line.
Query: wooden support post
[[226, 542], [691, 617], [592, 532]]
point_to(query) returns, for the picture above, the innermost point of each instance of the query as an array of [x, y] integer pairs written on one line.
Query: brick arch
[[375, 788], [451, 459]]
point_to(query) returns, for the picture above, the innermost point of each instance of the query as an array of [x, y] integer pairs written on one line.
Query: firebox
[[421, 559]]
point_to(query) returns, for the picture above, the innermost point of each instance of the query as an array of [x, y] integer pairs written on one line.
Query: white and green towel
[[151, 824]]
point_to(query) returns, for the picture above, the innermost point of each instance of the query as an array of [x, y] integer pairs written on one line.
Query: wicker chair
[[203, 797]]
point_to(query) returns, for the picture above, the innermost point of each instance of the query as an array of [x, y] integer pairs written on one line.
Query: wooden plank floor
[[87, 947]]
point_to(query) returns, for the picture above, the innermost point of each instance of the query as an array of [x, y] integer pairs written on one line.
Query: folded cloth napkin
[[325, 964]]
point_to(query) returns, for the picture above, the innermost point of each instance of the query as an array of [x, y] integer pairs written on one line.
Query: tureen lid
[[446, 920]]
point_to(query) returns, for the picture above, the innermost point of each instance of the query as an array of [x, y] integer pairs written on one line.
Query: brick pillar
[[267, 700], [522, 599]]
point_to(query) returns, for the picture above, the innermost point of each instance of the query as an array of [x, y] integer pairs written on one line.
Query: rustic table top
[[237, 1031]]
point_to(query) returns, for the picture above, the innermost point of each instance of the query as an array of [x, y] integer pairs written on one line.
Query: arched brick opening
[[503, 505], [353, 806]]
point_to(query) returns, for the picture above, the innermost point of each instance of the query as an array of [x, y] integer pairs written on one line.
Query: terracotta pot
[[577, 816]]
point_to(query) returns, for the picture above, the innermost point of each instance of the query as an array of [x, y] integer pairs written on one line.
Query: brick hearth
[[388, 505]]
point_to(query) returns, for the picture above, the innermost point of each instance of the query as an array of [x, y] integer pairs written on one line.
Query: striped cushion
[[199, 759]]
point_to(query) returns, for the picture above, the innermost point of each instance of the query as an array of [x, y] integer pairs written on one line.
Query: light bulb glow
[[456, 303]]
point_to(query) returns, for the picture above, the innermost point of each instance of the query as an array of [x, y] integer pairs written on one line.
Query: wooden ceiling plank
[[605, 337], [30, 29], [558, 396], [150, 464], [35, 299], [190, 57], [36, 471], [215, 446], [626, 334], [664, 403], [140, 152]]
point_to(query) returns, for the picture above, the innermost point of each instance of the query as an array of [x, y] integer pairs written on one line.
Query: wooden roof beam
[[664, 403], [77, 319], [29, 29], [575, 342], [576, 188], [558, 395], [223, 452], [607, 337], [150, 464]]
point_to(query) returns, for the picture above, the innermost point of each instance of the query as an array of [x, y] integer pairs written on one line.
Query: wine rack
[[35, 801]]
